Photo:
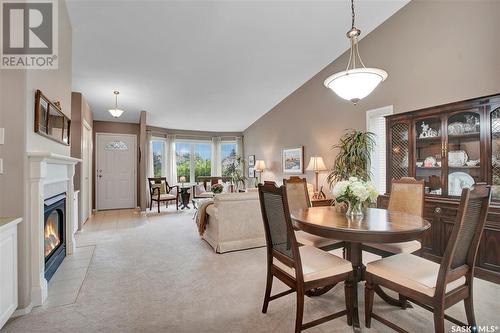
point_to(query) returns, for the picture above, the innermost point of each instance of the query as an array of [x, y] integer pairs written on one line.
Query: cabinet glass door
[[464, 151], [428, 154], [399, 151], [495, 153]]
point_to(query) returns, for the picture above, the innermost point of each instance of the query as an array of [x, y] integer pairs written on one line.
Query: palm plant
[[354, 157]]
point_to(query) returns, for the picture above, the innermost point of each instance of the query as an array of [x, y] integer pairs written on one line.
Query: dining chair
[[298, 198], [433, 286], [407, 196], [300, 268], [160, 191]]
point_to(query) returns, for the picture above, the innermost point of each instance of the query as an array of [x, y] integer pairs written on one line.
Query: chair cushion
[[404, 247], [167, 197], [412, 272], [317, 264], [305, 238]]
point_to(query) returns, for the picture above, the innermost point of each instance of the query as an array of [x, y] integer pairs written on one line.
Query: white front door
[[116, 171]]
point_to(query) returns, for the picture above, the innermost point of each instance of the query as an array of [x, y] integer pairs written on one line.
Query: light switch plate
[[2, 135]]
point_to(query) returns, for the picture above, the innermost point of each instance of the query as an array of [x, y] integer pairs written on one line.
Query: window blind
[[375, 123]]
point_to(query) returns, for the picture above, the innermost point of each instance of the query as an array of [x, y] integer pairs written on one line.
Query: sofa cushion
[[412, 272], [317, 264]]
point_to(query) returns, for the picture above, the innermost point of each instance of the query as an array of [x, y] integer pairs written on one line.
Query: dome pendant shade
[[355, 84], [116, 113]]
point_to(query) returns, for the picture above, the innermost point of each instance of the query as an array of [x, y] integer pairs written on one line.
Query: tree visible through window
[[158, 157], [193, 159], [228, 158]]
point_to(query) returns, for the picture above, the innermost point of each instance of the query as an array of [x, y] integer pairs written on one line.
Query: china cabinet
[[450, 146]]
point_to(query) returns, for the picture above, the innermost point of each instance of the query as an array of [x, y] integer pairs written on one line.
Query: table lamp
[[259, 167], [182, 179], [317, 164]]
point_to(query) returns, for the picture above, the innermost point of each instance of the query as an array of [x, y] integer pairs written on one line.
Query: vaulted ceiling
[[207, 65]]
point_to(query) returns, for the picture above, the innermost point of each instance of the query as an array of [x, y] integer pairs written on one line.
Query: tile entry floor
[[152, 273]]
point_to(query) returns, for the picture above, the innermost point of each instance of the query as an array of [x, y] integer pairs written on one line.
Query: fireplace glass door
[[53, 232]]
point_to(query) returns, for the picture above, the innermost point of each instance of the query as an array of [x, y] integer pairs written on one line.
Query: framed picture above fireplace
[[50, 121]]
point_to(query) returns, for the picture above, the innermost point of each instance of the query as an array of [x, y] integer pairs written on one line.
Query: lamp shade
[[259, 166], [316, 163], [182, 179]]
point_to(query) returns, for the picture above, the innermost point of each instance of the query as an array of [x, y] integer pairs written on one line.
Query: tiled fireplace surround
[[49, 175]]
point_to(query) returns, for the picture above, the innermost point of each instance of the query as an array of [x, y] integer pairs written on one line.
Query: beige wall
[[434, 51], [117, 128]]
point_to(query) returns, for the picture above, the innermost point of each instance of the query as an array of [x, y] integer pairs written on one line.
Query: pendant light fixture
[[353, 84], [116, 113]]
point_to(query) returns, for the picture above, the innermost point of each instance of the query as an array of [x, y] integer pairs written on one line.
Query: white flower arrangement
[[355, 192]]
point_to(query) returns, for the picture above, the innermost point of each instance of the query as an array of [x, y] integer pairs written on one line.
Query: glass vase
[[354, 209]]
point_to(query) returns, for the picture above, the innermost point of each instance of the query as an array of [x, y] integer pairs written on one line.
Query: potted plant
[[355, 193], [353, 159]]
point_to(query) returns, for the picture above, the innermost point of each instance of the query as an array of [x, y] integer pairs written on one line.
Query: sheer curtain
[[215, 163], [170, 160], [149, 164], [239, 151]]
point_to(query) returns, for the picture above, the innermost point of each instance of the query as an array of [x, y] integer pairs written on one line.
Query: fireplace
[[54, 233]]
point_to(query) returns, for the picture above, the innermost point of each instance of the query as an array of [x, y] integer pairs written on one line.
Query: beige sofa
[[235, 222]]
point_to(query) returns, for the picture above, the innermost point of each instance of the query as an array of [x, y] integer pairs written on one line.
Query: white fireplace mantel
[[48, 172]]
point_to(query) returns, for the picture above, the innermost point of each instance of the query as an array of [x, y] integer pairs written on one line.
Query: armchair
[[160, 191]]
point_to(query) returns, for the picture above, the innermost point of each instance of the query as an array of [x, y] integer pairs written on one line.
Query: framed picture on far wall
[[251, 172], [292, 160], [251, 160]]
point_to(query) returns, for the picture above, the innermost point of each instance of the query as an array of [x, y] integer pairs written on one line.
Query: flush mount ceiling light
[[353, 84], [116, 113]]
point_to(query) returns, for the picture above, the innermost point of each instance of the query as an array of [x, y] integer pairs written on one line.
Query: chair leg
[[469, 310], [439, 319], [403, 301], [159, 203], [177, 202], [300, 310], [369, 293], [348, 291], [267, 295]]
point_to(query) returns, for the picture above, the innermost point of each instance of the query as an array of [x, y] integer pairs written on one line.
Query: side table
[[185, 195]]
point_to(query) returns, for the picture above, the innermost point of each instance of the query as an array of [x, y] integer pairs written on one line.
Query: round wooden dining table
[[375, 226]]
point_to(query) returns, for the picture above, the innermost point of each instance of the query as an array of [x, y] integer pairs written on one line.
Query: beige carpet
[[153, 274]]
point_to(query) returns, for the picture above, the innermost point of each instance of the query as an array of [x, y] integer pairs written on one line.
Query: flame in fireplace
[[51, 237]]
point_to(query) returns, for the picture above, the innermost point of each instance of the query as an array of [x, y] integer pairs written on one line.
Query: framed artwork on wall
[[251, 172], [251, 160], [50, 121], [292, 160]]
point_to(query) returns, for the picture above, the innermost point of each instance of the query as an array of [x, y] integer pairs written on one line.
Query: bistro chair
[[298, 198], [160, 191], [407, 196], [300, 268], [433, 286]]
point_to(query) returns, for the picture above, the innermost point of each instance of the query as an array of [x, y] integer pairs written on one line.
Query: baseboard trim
[[23, 311]]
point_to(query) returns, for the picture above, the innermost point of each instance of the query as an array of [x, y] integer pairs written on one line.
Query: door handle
[[100, 176]]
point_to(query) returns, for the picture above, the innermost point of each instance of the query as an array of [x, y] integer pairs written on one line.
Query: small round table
[[185, 197], [375, 226]]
